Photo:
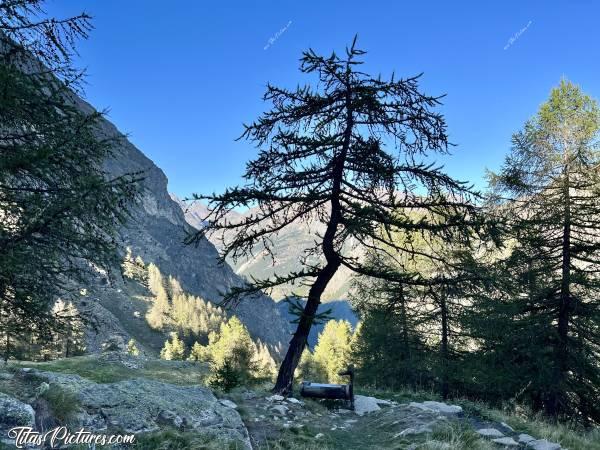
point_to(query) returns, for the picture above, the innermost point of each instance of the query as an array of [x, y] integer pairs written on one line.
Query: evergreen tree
[[59, 210], [158, 314], [174, 349], [132, 348], [351, 153], [332, 351], [552, 182]]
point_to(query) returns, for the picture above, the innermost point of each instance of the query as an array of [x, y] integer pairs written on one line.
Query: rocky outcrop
[[142, 405], [14, 413]]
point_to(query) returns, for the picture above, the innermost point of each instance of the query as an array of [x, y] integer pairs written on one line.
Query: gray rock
[[543, 444], [437, 407], [525, 438], [281, 409], [142, 405], [490, 433], [364, 405], [294, 400], [14, 413], [276, 398], [228, 403], [506, 441], [413, 430]]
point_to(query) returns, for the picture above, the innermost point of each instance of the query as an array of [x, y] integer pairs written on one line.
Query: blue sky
[[182, 76]]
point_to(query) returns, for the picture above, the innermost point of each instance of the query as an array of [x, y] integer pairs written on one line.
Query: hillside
[[288, 247], [165, 404], [156, 232]]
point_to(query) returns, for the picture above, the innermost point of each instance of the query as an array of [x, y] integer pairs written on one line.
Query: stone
[[525, 438], [228, 403], [507, 426], [281, 409], [294, 400], [319, 435], [143, 405], [506, 441], [543, 444], [364, 405], [276, 398], [490, 433], [14, 413], [438, 407]]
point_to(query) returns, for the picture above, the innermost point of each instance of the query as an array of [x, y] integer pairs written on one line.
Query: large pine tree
[[59, 211], [352, 153], [552, 179]]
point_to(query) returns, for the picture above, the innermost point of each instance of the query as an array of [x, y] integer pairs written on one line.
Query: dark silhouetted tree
[[352, 153]]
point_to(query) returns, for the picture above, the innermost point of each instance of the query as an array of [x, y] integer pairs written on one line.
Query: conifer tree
[[351, 153], [549, 189], [59, 210]]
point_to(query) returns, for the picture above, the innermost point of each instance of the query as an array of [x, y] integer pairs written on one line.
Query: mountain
[[156, 232], [288, 247]]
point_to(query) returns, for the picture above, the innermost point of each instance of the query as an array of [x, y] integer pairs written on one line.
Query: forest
[[490, 295]]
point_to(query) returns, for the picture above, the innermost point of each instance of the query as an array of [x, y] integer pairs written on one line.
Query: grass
[[101, 371], [523, 420], [176, 440], [63, 403]]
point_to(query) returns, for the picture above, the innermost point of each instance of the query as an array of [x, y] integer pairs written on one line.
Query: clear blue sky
[[182, 76]]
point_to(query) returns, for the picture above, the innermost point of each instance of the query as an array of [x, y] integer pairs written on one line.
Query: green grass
[[100, 371], [176, 440], [63, 404]]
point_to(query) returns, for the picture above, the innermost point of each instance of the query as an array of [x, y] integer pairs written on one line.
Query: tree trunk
[[444, 347], [554, 406], [285, 377]]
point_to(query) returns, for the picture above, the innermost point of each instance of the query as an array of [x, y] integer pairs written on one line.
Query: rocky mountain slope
[[156, 232], [288, 248]]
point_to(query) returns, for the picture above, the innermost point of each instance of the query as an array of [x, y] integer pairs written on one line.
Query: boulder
[[543, 444], [143, 405], [364, 405], [438, 407], [506, 441], [490, 433], [525, 438], [14, 413]]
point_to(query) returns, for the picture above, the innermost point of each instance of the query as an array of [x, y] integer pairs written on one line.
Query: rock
[[381, 401], [490, 433], [169, 418], [507, 426], [281, 409], [294, 400], [319, 435], [14, 413], [276, 398], [506, 441], [142, 405], [525, 438], [543, 444], [364, 405], [437, 407], [6, 376], [228, 403]]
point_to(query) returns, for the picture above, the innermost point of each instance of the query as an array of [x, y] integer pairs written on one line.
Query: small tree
[[332, 351], [351, 154], [132, 348], [173, 350]]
